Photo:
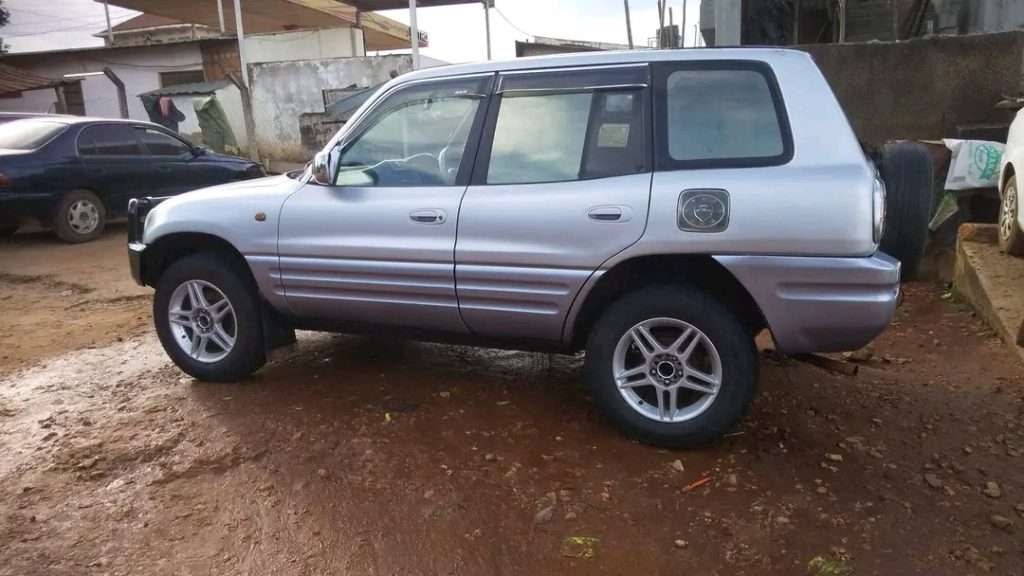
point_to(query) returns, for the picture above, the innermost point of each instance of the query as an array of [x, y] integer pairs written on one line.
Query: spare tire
[[906, 169]]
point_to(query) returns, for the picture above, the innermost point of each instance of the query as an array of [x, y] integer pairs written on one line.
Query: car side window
[[159, 144], [559, 137], [417, 137], [109, 140], [720, 114]]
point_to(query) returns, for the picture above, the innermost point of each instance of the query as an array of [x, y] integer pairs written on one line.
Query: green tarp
[[217, 133]]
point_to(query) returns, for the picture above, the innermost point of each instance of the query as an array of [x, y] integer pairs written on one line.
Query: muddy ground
[[362, 456]]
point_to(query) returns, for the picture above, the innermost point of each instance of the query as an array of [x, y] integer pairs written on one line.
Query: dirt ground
[[362, 456]]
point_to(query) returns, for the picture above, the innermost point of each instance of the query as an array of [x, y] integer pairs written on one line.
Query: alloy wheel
[[202, 321], [667, 370]]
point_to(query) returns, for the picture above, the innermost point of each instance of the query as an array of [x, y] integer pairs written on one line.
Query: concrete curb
[[992, 282]]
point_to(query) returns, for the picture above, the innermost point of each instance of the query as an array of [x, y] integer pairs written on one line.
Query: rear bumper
[[823, 304]]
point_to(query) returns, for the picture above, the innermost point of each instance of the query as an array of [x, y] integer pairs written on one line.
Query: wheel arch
[[166, 250], [1008, 172], [699, 270]]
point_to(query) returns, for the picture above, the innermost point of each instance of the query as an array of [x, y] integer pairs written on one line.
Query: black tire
[[739, 363], [1011, 239], [906, 169], [62, 218], [226, 274]]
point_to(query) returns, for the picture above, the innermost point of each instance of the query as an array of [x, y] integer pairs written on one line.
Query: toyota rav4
[[656, 209]]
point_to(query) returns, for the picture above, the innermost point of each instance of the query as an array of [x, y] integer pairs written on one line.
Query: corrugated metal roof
[[192, 88], [14, 80]]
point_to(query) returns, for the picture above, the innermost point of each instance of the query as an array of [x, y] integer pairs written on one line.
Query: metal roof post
[[487, 25], [414, 35], [110, 31], [220, 14], [240, 34]]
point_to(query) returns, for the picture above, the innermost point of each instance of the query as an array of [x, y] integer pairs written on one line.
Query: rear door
[[115, 166], [562, 183]]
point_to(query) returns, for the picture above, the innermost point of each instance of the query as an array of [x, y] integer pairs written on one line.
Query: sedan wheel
[[83, 217], [80, 217]]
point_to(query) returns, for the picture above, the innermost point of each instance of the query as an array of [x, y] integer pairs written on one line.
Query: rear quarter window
[[720, 114]]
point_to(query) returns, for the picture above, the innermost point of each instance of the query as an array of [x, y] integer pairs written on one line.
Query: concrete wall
[[282, 91], [923, 88], [138, 67]]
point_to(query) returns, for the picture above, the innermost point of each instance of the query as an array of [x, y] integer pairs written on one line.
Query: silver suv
[[655, 209]]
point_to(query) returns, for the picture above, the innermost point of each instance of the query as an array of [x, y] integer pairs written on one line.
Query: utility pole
[[682, 28], [629, 27], [661, 21]]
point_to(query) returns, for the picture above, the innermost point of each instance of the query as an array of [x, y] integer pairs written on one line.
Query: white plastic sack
[[975, 164]]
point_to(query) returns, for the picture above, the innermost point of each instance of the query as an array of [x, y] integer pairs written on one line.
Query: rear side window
[[109, 140], [720, 114], [28, 134], [564, 127]]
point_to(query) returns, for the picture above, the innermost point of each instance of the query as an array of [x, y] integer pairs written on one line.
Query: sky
[[456, 32]]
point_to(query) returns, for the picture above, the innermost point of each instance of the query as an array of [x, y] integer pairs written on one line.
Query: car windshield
[[28, 134]]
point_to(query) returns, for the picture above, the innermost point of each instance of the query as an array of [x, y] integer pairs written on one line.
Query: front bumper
[[135, 250], [138, 209], [821, 304]]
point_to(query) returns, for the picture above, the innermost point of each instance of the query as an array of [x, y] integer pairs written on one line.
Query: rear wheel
[[208, 318], [906, 170], [1011, 239], [671, 366], [80, 217]]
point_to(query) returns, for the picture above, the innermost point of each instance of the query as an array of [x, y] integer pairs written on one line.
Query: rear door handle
[[610, 213], [428, 216]]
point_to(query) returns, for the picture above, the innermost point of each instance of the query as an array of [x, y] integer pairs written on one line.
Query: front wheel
[[671, 366], [208, 318]]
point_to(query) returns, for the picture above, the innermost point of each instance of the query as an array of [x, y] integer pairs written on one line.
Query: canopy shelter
[[380, 33], [15, 80]]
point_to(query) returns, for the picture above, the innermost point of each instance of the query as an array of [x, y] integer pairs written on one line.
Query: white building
[[150, 52]]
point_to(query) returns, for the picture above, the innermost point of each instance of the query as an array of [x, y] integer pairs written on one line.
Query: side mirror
[[324, 164]]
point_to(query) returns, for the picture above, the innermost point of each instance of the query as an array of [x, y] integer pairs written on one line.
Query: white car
[[1011, 237]]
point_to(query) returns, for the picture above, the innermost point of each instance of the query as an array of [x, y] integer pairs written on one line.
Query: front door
[[562, 183], [171, 163], [377, 246]]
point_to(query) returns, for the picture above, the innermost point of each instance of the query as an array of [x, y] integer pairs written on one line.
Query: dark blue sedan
[[73, 174]]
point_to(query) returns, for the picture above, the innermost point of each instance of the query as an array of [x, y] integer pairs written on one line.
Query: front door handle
[[428, 216], [610, 213]]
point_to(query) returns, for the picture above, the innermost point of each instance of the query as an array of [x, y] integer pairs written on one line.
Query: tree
[[5, 17]]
